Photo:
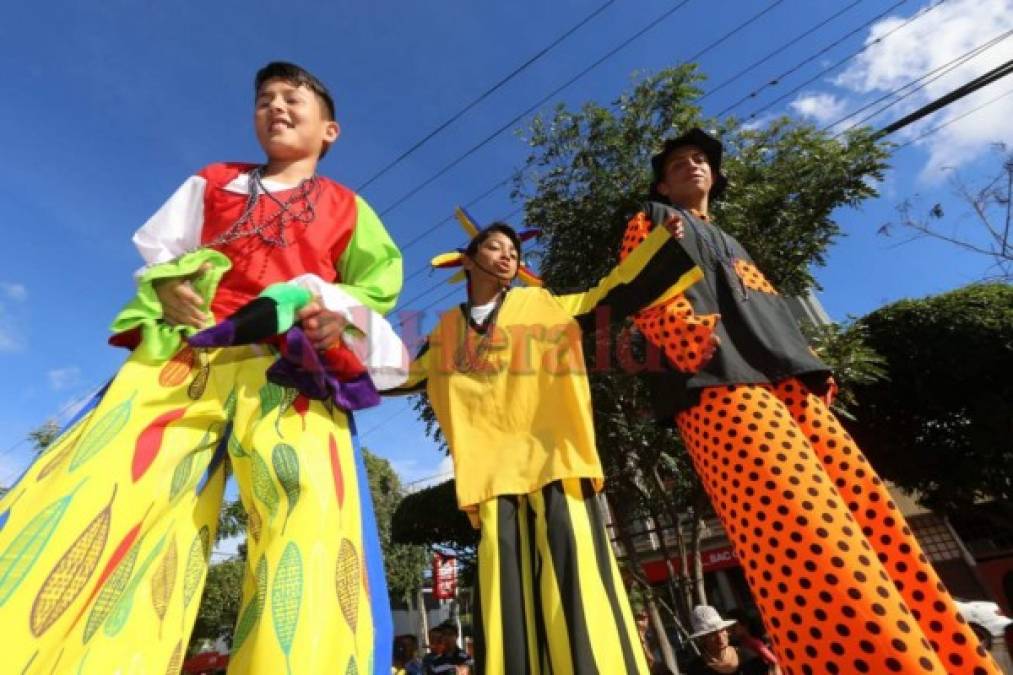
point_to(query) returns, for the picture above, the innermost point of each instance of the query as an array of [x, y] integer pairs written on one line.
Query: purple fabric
[[301, 367], [220, 335]]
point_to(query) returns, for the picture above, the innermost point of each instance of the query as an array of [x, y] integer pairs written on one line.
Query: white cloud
[[9, 340], [11, 333], [13, 291], [415, 474], [930, 42], [64, 378], [759, 122], [823, 108], [11, 329]]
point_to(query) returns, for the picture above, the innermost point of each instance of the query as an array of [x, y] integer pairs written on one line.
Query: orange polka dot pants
[[840, 580]]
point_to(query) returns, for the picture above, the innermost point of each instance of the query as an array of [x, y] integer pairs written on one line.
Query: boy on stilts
[[841, 582], [105, 540]]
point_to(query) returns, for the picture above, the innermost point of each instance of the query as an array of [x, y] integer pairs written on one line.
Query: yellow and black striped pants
[[549, 598]]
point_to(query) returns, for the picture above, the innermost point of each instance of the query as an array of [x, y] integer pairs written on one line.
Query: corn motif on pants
[[840, 580], [105, 540], [549, 598]]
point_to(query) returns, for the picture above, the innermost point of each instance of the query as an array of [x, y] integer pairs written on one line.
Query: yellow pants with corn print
[[105, 540]]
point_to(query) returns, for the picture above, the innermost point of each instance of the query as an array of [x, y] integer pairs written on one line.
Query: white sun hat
[[705, 620]]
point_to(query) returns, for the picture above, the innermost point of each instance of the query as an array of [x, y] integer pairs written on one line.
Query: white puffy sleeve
[[176, 227]]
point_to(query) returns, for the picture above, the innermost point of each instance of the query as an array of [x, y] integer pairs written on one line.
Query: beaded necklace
[[271, 230], [722, 254], [466, 358]]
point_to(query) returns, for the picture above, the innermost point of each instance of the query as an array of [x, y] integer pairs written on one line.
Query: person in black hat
[[840, 580]]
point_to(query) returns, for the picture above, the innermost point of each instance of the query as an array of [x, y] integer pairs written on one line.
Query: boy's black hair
[[297, 75], [447, 627], [488, 231]]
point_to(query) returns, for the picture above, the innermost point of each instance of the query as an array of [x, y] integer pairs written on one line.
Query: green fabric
[[290, 299], [159, 341], [371, 266]]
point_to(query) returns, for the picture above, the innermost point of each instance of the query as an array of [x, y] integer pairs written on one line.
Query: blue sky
[[109, 106]]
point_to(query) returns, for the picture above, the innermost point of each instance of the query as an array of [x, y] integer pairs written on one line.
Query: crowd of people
[[444, 654]]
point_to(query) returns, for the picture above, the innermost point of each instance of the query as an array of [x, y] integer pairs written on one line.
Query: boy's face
[[291, 121], [687, 175]]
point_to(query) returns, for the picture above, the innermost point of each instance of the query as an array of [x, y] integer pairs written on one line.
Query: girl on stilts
[[505, 375]]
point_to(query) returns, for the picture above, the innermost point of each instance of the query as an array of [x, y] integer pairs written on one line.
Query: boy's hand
[[674, 226], [708, 351], [181, 306], [322, 326], [711, 346]]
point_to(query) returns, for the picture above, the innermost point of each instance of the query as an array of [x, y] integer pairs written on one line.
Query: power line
[[955, 119], [752, 19], [747, 22], [627, 42], [484, 95], [790, 43], [777, 79], [419, 296], [655, 22], [80, 401], [452, 291], [741, 26], [840, 63], [960, 92], [440, 283], [445, 474], [385, 422], [424, 233], [925, 80]]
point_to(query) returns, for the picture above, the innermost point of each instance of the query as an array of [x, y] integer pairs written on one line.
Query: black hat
[[711, 147]]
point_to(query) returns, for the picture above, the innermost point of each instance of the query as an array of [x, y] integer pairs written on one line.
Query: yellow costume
[[104, 542], [514, 405]]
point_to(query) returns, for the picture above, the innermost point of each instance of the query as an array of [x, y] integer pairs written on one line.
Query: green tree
[[404, 563], [219, 604], [44, 435], [940, 423], [846, 349], [430, 518], [232, 520]]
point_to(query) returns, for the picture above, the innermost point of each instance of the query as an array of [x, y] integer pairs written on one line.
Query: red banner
[[714, 559], [444, 576]]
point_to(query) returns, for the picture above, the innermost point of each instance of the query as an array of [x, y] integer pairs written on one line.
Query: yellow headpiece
[[454, 258]]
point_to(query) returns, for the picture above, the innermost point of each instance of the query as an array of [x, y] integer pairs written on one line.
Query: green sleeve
[[371, 266], [159, 340]]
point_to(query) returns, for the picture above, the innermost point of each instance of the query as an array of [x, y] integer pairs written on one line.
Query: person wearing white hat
[[717, 654]]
